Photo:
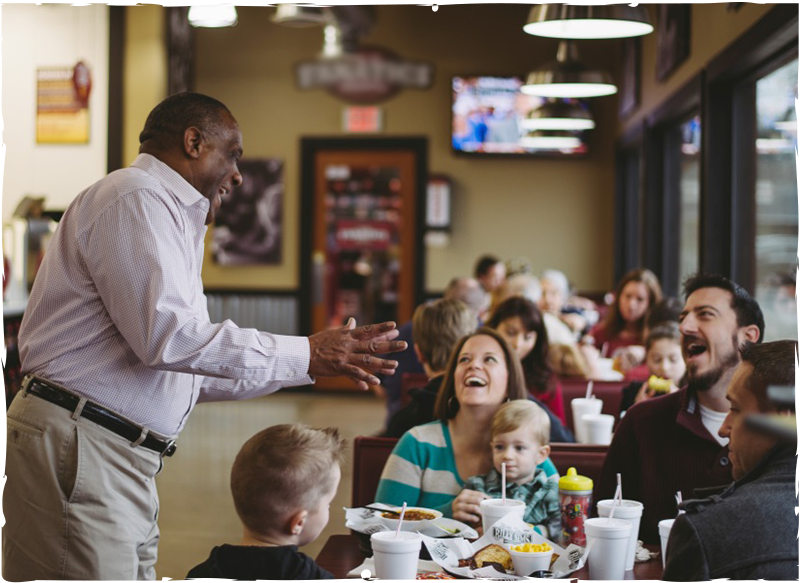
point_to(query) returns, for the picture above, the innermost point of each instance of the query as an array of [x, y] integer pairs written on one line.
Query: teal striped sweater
[[422, 470]]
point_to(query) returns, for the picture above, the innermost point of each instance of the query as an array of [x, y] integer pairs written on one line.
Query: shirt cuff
[[293, 356]]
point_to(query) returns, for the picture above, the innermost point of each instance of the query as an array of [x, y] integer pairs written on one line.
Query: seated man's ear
[[297, 522], [544, 453], [749, 333]]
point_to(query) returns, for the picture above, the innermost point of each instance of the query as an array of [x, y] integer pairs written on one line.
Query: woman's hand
[[467, 506]]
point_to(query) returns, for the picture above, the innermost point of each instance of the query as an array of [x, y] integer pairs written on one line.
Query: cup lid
[[572, 481]]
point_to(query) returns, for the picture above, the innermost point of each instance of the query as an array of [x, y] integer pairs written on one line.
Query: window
[[776, 222], [689, 187]]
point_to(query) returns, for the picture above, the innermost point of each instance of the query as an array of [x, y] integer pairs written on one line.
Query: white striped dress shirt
[[117, 311]]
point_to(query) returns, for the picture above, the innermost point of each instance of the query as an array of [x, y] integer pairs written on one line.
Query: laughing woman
[[431, 462]]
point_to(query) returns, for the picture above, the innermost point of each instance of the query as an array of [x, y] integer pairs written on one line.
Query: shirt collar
[[171, 180]]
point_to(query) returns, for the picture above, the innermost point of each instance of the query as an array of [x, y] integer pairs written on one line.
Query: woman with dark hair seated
[[521, 323]]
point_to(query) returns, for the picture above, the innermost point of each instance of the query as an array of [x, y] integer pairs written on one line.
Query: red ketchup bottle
[[575, 499]]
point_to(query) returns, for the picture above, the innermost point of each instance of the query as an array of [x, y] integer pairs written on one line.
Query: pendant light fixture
[[571, 21], [300, 15], [567, 77], [550, 140], [213, 16], [559, 115]]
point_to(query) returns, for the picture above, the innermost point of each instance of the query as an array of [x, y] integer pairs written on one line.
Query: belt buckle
[[170, 448]]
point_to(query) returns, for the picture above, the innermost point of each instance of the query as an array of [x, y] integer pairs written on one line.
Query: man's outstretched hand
[[349, 351]]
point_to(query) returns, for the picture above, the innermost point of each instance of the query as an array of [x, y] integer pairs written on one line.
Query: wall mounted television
[[488, 116]]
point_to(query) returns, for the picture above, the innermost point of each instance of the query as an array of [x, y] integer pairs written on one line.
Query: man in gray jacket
[[749, 531]]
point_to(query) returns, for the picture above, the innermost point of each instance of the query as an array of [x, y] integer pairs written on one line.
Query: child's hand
[[645, 392], [467, 506]]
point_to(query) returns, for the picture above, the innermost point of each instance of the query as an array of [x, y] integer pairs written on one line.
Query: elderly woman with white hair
[[554, 297]]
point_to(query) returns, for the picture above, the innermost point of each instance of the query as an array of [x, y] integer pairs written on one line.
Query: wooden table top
[[341, 554]]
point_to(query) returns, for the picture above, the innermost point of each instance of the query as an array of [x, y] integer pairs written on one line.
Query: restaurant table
[[341, 554]]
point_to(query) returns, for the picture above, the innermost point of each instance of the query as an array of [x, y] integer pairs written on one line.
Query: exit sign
[[362, 119]]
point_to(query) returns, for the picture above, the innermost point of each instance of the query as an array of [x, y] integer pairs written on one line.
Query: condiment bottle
[[575, 499]]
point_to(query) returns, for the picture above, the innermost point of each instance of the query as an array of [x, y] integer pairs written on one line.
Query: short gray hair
[[559, 279]]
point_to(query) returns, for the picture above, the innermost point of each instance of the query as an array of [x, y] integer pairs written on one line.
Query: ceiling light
[[559, 115], [300, 16], [588, 22], [566, 77], [212, 16], [553, 140]]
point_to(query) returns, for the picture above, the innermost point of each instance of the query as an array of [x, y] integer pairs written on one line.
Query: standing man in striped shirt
[[118, 348]]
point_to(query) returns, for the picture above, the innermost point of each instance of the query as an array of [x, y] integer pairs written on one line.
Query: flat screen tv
[[489, 118]]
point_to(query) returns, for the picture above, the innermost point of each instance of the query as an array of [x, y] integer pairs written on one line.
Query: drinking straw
[[603, 350], [400, 522], [589, 388], [679, 497], [619, 487], [503, 472], [617, 494]]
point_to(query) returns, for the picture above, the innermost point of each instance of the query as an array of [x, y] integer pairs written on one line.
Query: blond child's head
[[663, 352], [520, 439], [283, 481]]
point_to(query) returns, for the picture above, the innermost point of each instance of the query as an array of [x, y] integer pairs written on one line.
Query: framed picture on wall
[[248, 226], [673, 38], [631, 72]]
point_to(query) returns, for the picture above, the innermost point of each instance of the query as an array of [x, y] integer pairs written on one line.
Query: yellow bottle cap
[[572, 481]]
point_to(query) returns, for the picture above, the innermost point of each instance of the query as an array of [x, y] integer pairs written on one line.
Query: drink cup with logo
[[494, 509]]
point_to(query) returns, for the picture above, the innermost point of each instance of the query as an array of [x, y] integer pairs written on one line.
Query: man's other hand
[[348, 351]]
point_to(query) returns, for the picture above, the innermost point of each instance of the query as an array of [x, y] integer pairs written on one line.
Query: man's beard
[[705, 382]]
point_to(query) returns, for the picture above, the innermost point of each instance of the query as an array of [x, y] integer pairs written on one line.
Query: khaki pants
[[79, 501]]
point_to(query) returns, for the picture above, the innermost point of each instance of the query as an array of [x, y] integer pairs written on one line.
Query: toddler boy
[[283, 482], [520, 439]]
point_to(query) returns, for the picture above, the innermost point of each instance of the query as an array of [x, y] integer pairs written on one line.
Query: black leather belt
[[100, 415]]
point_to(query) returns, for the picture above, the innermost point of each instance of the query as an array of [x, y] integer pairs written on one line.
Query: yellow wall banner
[[62, 104]]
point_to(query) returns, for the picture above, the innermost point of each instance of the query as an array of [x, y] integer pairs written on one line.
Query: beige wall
[[51, 36], [714, 27], [144, 70], [558, 213]]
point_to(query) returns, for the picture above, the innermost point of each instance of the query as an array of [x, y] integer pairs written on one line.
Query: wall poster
[[62, 104], [248, 227]]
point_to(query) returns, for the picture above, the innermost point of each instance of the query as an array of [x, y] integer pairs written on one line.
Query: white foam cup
[[609, 540], [396, 556], [629, 510], [581, 407], [493, 509], [598, 428], [664, 528], [527, 563]]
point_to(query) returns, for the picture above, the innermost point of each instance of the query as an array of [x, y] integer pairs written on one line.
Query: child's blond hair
[[281, 470], [515, 414]]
